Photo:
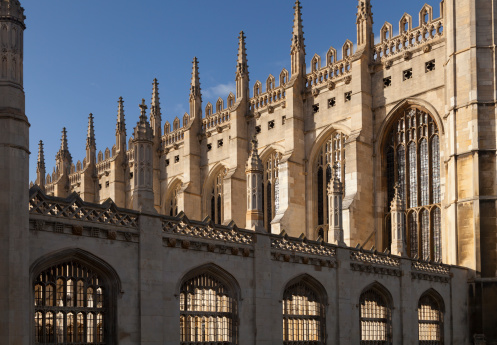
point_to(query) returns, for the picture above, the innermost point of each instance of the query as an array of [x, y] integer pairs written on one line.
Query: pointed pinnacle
[[120, 111], [90, 138], [242, 50], [143, 107], [41, 155], [155, 108], [195, 84], [63, 141], [298, 33]]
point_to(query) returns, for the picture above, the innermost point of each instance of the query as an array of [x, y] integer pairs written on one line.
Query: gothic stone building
[[351, 203]]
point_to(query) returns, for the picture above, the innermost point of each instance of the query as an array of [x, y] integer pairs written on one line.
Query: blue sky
[[81, 56]]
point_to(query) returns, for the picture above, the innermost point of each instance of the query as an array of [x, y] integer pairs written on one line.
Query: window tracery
[[412, 158], [208, 312], [303, 316], [70, 305], [173, 202], [332, 151], [270, 187], [375, 318], [216, 199], [430, 321]]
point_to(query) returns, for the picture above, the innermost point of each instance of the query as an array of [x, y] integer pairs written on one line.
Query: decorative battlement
[[283, 242], [409, 38], [333, 69], [274, 95], [12, 9]]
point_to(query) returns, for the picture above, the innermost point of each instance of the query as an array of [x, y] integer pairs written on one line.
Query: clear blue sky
[[80, 56]]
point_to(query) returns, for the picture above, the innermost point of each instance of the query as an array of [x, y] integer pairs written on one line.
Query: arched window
[[412, 157], [173, 202], [70, 305], [270, 188], [332, 151], [208, 311], [375, 318], [303, 315], [216, 199], [430, 320]]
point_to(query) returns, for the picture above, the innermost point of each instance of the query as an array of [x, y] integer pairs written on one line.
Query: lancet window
[[333, 151], [208, 312], [216, 199], [69, 306], [303, 316], [413, 160], [173, 202], [270, 187], [430, 320], [375, 318]]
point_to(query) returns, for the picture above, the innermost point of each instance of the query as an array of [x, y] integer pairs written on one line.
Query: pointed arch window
[[173, 202], [430, 320], [216, 199], [332, 151], [303, 315], [375, 318], [208, 311], [412, 158], [70, 305], [270, 189]]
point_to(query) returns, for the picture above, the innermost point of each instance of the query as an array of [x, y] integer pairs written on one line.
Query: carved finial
[[143, 107], [63, 140], [298, 33], [121, 125], [41, 156], [397, 202], [155, 109], [90, 138], [242, 66], [254, 143], [195, 84], [336, 171]]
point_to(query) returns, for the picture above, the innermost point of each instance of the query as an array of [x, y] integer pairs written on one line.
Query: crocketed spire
[[90, 138], [41, 156], [298, 33], [195, 84], [242, 66], [155, 110], [143, 131], [63, 140], [254, 162], [121, 124]]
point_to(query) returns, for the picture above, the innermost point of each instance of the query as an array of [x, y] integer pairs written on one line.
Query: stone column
[[397, 215], [14, 182], [254, 170], [335, 195]]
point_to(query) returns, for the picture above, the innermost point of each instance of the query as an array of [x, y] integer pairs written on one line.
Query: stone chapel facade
[[352, 204]]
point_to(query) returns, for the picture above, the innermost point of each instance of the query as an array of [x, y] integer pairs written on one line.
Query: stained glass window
[[208, 312], [68, 320], [217, 197], [303, 316], [430, 321], [412, 159], [331, 152], [271, 181], [375, 318]]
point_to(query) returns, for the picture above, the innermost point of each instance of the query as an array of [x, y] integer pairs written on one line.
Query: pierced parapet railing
[[409, 39], [270, 98], [430, 271], [103, 167], [326, 75], [181, 232], [73, 208], [373, 262], [301, 245], [214, 120], [173, 137]]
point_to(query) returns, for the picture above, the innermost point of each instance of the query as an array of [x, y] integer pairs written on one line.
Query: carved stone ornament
[[348, 79], [331, 85], [270, 109], [77, 230], [219, 129], [427, 48], [388, 64], [257, 114], [175, 146], [111, 235], [185, 244], [39, 225], [283, 105], [315, 92], [407, 55]]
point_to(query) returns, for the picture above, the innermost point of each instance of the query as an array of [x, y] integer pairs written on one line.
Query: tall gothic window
[[303, 315], [70, 305], [208, 312], [173, 202], [333, 151], [412, 158], [375, 318], [270, 189], [430, 320], [216, 199]]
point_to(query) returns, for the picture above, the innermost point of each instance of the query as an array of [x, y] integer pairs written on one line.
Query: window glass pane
[[413, 233], [413, 176], [430, 321], [375, 318], [425, 173], [437, 238], [425, 233], [435, 156]]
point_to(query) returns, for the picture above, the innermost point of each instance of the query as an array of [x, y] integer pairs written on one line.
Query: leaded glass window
[[64, 308], [303, 316], [375, 318], [173, 202], [271, 190], [332, 151], [430, 321], [208, 312], [412, 159], [217, 197]]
